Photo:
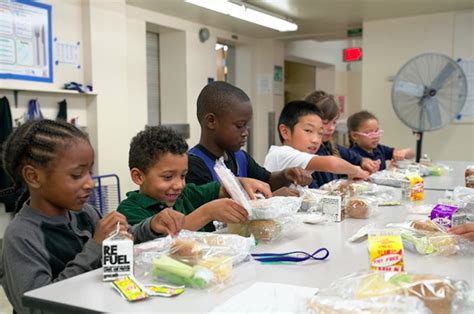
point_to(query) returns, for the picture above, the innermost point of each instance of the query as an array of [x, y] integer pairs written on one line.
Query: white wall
[[388, 45]]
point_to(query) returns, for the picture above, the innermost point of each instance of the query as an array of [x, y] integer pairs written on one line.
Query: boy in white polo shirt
[[300, 131]]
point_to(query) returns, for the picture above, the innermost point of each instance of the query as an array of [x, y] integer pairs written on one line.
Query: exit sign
[[352, 54]]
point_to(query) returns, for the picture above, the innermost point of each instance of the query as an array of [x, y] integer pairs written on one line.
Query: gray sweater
[[39, 250]]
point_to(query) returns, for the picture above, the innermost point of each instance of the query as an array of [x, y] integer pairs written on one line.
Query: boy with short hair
[[224, 112], [158, 163], [300, 131]]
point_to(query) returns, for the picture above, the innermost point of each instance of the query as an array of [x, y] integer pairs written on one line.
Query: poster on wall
[[25, 41]]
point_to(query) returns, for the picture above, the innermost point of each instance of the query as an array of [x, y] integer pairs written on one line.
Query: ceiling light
[[247, 13]]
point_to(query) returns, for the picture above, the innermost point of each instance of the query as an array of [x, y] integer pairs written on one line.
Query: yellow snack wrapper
[[415, 188], [385, 251], [130, 289]]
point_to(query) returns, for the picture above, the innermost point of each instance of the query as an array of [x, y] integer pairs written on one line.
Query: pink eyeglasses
[[370, 135]]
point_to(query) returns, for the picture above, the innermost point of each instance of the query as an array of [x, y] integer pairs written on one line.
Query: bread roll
[[357, 208], [263, 229], [425, 225], [436, 294], [187, 251]]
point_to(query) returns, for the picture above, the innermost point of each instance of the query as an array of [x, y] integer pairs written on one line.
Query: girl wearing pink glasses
[[364, 134]]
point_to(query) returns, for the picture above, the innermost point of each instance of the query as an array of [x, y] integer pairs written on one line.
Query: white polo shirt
[[282, 157]]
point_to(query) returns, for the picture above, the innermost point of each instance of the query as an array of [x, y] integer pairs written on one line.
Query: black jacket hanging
[[6, 128], [62, 113]]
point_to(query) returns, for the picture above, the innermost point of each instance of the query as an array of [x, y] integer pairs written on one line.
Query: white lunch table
[[448, 182], [88, 293]]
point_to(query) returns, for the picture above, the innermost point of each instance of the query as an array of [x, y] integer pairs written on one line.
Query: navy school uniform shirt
[[321, 178], [199, 173], [381, 152]]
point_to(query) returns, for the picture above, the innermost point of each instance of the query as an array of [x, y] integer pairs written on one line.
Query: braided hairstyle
[[330, 109], [36, 142]]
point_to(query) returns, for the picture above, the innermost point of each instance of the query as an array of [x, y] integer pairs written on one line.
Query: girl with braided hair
[[55, 234], [331, 112]]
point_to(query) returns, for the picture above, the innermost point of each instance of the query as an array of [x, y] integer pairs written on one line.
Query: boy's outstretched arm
[[296, 175], [336, 165]]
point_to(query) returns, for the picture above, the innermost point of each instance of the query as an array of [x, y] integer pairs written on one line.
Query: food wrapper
[[192, 259], [388, 177], [436, 292], [270, 218], [383, 195], [311, 199], [130, 289], [465, 196], [385, 304], [428, 238], [232, 185], [360, 207]]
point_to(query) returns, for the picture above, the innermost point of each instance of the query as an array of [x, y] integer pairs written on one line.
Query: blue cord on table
[[287, 257]]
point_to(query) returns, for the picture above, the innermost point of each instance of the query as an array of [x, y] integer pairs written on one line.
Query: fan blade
[[431, 107], [443, 76], [409, 88]]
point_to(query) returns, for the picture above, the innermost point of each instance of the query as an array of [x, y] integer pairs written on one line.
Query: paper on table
[[266, 297]]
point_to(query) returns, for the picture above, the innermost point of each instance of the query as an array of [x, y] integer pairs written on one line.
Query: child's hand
[[465, 230], [298, 176], [359, 174], [398, 154], [286, 191], [226, 210], [252, 186], [108, 224], [168, 221], [370, 165]]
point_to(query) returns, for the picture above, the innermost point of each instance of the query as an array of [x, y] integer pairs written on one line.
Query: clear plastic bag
[[388, 177], [428, 238], [232, 185], [436, 292], [192, 259], [361, 207], [386, 304]]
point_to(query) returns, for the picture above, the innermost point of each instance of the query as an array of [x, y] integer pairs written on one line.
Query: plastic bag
[[192, 259], [311, 199], [363, 232], [360, 207], [429, 238], [387, 304], [232, 185], [466, 197], [388, 177], [436, 292], [270, 218]]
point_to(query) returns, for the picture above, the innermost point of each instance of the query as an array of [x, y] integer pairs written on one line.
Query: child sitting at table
[[56, 234], [300, 130], [331, 112], [364, 134], [224, 112], [158, 163]]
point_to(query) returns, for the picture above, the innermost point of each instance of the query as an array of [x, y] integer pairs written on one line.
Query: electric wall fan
[[427, 93]]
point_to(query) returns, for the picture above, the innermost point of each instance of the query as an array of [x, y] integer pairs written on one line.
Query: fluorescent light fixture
[[247, 13]]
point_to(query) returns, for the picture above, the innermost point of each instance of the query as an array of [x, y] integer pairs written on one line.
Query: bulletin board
[[25, 41]]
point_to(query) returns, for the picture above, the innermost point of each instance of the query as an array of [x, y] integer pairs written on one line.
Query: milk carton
[[117, 256], [447, 215]]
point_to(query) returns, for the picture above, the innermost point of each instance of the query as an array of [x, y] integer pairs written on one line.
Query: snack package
[[191, 259], [360, 207], [436, 292], [413, 188], [130, 289], [117, 256], [311, 200], [385, 250]]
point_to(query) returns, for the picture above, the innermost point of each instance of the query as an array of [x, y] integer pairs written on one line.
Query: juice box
[[414, 188], [385, 251], [117, 256]]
